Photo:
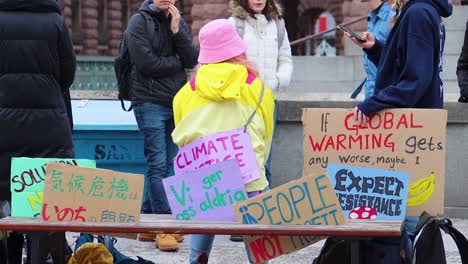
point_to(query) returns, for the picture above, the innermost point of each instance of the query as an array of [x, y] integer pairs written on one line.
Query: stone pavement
[[226, 252]]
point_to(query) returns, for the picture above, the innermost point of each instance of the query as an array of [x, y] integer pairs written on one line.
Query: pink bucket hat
[[219, 41]]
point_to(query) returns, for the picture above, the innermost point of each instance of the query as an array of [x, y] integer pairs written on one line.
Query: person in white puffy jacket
[[260, 24], [261, 20]]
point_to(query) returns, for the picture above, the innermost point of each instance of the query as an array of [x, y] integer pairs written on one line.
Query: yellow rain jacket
[[222, 97]]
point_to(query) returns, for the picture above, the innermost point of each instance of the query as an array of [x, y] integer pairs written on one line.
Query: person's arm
[[372, 47], [462, 70], [417, 73], [187, 52], [374, 53], [285, 64], [142, 54], [67, 61]]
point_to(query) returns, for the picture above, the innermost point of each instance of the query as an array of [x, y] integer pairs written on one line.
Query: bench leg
[[43, 243], [355, 252], [5, 245], [38, 246], [58, 250]]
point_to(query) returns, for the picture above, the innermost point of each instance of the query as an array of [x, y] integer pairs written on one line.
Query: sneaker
[[179, 238], [166, 242], [146, 237], [237, 238]]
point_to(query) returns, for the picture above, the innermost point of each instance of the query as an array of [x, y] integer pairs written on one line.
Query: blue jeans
[[268, 163], [156, 124], [200, 245]]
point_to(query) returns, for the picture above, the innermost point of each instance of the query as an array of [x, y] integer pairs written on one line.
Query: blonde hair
[[397, 6], [240, 60]]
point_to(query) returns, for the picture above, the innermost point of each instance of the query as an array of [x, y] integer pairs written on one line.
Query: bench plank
[[165, 224]]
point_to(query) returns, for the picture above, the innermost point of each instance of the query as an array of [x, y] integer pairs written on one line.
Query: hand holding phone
[[352, 33]]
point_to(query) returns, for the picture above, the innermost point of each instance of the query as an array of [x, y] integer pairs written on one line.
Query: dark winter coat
[[462, 70], [37, 67], [410, 64], [158, 56]]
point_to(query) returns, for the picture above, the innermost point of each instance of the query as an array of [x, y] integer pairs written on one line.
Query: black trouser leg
[[42, 243]]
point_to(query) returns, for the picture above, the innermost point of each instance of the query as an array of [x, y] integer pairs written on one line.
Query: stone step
[[347, 87], [457, 21]]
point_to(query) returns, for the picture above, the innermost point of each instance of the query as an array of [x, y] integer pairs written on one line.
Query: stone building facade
[[96, 25]]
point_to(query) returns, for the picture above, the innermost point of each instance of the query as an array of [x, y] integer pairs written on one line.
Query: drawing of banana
[[421, 190]]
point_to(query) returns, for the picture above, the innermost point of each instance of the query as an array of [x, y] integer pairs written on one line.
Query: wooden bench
[[354, 230]]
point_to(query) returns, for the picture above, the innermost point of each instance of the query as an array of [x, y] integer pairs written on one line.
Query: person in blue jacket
[[409, 73], [378, 23], [409, 65]]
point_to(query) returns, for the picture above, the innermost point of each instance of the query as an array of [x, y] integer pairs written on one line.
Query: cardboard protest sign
[[366, 193], [310, 200], [407, 140], [207, 193], [214, 148], [27, 183], [91, 195]]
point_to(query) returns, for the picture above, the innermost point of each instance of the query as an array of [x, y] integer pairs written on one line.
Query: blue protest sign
[[367, 193]]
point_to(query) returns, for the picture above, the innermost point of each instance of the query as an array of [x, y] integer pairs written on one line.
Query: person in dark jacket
[[37, 68], [410, 64], [462, 70], [160, 47], [409, 75]]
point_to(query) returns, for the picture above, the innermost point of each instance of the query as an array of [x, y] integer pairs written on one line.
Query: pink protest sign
[[214, 148], [207, 193]]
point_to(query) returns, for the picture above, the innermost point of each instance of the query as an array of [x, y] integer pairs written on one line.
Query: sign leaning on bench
[[310, 200], [404, 140], [27, 183], [207, 193], [91, 195]]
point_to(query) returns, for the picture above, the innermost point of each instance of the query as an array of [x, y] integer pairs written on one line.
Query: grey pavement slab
[[226, 252]]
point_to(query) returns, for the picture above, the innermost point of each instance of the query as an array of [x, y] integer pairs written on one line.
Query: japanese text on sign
[[83, 194]]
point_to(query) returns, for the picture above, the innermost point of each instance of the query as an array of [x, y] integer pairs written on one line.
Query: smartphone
[[356, 36]]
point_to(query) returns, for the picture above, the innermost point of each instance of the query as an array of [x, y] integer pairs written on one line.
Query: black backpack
[[123, 64], [428, 242], [427, 246], [123, 70]]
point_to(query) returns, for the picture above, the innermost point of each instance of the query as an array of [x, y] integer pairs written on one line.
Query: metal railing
[[309, 37]]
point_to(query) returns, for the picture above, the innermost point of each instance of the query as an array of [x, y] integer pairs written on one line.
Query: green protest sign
[[27, 183]]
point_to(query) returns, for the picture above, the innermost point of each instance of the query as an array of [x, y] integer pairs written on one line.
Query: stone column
[[203, 11], [114, 25], [317, 6], [353, 10], [185, 6], [66, 10], [90, 24]]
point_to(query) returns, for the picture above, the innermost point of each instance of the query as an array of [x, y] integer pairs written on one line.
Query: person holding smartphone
[[409, 64], [160, 48], [378, 23], [409, 74]]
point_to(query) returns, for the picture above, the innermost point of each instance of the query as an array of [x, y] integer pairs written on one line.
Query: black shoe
[[236, 238]]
